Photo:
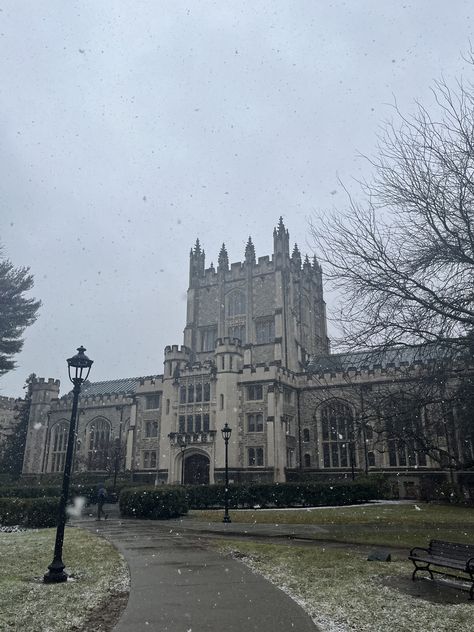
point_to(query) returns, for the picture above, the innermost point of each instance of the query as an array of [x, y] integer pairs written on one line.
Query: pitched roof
[[126, 385], [396, 356]]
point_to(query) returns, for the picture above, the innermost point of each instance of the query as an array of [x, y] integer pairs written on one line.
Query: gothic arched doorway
[[196, 470]]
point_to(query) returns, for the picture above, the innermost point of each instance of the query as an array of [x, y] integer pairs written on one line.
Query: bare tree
[[402, 259]]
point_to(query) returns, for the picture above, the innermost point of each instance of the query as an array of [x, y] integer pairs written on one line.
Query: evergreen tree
[[17, 311]]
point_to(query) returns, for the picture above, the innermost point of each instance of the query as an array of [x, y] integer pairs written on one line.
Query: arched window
[[306, 435], [403, 430], [337, 434], [236, 304], [307, 460], [97, 441], [58, 445]]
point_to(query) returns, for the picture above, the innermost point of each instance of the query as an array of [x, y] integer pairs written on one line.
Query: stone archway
[[196, 469]]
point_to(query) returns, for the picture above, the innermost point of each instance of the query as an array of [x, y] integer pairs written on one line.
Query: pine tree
[[17, 311]]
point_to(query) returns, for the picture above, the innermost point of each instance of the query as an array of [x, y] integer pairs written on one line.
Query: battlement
[[151, 383], [41, 382], [92, 401], [7, 402], [363, 374], [176, 351]]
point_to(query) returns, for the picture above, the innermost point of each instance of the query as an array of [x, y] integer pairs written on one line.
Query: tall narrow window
[[205, 420], [189, 426], [190, 393], [306, 435], [182, 424], [182, 395], [98, 436], [255, 457], [255, 422], [167, 406], [149, 459], [207, 392], [197, 423], [59, 436], [337, 434], [208, 338], [265, 331], [236, 304], [402, 421], [221, 398], [199, 392], [307, 460]]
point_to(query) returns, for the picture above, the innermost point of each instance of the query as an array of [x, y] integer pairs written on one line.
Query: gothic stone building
[[255, 355]]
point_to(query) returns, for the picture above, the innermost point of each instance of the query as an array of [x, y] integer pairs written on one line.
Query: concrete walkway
[[180, 584]]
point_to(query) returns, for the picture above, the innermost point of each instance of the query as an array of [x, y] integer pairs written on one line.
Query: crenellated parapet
[[176, 359], [91, 401]]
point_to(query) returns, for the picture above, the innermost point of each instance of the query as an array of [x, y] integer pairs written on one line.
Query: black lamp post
[[183, 445], [226, 432], [79, 367]]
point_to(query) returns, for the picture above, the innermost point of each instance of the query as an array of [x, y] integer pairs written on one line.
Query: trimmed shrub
[[154, 503], [302, 494], [29, 512]]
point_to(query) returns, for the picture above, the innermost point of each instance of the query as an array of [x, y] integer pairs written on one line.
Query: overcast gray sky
[[131, 128]]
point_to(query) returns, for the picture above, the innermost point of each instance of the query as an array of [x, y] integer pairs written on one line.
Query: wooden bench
[[450, 555]]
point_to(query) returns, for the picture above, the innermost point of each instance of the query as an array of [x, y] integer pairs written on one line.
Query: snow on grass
[[342, 592], [97, 572], [405, 525]]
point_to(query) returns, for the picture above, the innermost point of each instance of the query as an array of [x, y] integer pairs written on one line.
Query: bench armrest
[[470, 565], [418, 548]]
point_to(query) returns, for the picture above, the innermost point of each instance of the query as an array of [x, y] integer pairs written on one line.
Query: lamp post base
[[56, 574], [226, 519]]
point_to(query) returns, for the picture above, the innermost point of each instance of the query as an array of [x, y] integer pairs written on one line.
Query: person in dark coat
[[101, 498]]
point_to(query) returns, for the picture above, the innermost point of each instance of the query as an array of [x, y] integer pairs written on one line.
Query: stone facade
[[253, 336], [7, 418]]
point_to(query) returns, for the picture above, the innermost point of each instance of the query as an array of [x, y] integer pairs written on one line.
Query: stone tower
[[274, 306]]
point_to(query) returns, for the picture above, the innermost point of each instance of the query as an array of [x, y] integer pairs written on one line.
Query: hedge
[[40, 491], [303, 494], [29, 512], [154, 503]]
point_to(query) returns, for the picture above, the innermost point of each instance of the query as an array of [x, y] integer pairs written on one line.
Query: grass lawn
[[343, 592], [403, 526], [27, 605]]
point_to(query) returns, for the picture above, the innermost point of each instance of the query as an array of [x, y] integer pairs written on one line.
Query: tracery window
[[402, 423], [337, 434], [97, 441], [59, 436], [236, 304]]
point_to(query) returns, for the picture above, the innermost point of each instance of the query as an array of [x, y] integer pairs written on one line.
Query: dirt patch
[[442, 591], [105, 616]]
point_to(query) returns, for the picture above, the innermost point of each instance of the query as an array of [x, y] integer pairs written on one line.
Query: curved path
[[180, 584]]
